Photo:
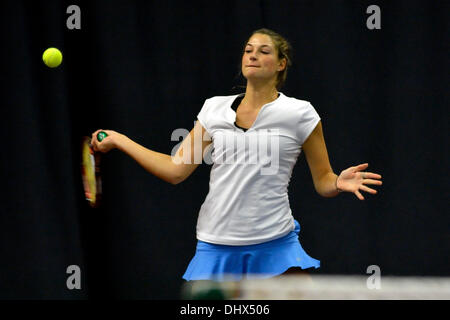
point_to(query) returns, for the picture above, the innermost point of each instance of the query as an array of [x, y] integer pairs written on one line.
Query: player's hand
[[354, 179], [108, 143]]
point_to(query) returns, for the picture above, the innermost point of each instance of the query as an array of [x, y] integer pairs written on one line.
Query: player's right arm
[[170, 169]]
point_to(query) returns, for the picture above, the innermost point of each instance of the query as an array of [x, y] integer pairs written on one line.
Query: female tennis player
[[245, 226]]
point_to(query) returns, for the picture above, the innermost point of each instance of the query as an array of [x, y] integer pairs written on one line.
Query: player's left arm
[[319, 164], [353, 179]]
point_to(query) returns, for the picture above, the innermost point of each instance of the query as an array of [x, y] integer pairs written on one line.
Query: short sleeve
[[203, 116], [309, 118]]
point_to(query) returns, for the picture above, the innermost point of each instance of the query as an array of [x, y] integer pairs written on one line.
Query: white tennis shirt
[[247, 202]]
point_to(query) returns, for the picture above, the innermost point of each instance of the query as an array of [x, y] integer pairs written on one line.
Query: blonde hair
[[284, 50]]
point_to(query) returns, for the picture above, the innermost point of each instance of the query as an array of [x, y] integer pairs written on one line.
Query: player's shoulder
[[295, 102], [218, 100]]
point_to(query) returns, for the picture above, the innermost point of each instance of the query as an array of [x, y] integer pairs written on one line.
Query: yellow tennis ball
[[52, 57]]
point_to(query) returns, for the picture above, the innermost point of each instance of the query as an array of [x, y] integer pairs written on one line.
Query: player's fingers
[[372, 175], [109, 133], [370, 181], [363, 165], [359, 195], [367, 189], [94, 144], [360, 167]]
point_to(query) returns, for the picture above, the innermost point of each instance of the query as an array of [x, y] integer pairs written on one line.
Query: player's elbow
[[176, 180], [181, 172], [178, 175]]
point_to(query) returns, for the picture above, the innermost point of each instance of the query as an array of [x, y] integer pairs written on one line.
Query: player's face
[[260, 59]]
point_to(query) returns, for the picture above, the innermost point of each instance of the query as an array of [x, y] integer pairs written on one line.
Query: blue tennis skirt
[[263, 260]]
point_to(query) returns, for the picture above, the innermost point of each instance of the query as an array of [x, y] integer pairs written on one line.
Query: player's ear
[[282, 64]]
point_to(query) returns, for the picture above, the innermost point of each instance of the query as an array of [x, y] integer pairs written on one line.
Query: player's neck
[[258, 95]]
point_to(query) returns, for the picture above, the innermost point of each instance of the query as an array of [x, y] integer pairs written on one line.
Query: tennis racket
[[90, 171]]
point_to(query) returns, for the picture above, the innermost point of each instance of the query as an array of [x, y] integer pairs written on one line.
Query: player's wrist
[[120, 142], [337, 186]]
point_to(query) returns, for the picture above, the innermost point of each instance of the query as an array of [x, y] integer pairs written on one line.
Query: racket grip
[[101, 135]]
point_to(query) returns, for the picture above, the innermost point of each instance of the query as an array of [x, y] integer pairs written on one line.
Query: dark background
[[144, 68]]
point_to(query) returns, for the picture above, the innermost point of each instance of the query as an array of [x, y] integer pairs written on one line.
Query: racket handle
[[101, 135]]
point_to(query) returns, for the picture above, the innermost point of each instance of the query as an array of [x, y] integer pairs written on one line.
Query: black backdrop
[[144, 68]]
